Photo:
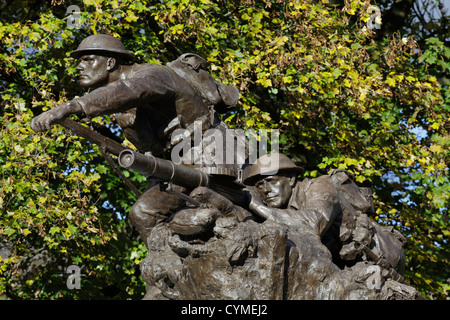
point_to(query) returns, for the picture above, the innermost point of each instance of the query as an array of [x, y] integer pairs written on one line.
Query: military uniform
[[153, 100]]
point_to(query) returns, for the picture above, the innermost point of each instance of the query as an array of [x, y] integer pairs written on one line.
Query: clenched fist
[[46, 120]]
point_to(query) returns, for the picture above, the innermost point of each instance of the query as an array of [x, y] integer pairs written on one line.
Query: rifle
[[106, 145], [182, 176], [164, 170]]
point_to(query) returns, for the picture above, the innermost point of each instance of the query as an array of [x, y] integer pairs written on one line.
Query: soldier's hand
[[45, 121], [254, 198], [256, 205]]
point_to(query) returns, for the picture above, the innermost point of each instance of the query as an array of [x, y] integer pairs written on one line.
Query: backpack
[[192, 68], [357, 229]]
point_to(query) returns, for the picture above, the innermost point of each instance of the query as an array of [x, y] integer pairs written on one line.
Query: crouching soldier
[[331, 206]]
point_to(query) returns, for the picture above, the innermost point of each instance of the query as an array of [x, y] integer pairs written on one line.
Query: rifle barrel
[[163, 169], [181, 175], [107, 143]]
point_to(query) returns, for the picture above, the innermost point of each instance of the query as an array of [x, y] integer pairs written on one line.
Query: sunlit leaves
[[307, 68]]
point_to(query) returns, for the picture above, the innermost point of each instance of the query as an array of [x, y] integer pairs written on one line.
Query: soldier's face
[[275, 191], [94, 70]]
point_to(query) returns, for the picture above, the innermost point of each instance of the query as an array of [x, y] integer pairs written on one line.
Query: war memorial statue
[[233, 230]]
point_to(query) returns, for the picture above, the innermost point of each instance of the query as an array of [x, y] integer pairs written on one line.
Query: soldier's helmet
[[270, 164], [102, 44]]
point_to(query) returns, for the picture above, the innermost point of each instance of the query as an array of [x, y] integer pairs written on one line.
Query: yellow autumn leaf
[[390, 82], [435, 148], [436, 125]]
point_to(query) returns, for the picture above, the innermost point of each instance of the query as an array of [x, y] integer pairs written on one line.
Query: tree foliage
[[341, 95]]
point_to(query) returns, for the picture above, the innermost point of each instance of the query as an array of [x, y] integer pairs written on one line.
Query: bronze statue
[[220, 250], [208, 235], [331, 207]]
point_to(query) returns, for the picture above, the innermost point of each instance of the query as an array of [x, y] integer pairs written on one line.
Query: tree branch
[[395, 18]]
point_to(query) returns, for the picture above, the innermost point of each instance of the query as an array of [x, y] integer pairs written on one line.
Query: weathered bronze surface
[[208, 235]]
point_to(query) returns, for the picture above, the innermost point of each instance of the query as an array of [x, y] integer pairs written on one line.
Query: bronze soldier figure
[[322, 206], [328, 212], [154, 98], [151, 101]]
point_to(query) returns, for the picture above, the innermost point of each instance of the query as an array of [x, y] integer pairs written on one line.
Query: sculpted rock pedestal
[[240, 261], [257, 261]]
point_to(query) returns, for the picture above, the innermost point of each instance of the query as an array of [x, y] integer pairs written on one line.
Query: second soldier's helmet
[[269, 164]]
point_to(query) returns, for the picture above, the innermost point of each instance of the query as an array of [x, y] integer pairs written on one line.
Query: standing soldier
[[151, 101]]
